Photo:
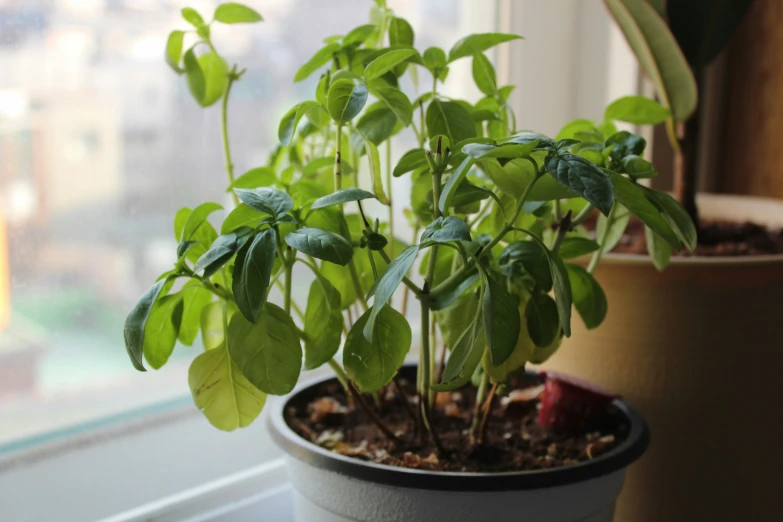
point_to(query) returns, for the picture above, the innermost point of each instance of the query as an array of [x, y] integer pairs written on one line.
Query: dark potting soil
[[716, 238], [513, 440]]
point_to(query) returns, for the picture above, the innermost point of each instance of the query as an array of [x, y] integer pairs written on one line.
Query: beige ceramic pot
[[699, 350]]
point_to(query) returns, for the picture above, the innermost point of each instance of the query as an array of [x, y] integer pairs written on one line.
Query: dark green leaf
[[373, 363], [638, 167], [321, 244], [377, 124], [409, 161], [267, 352], [235, 13], [676, 216], [136, 322], [484, 74], [196, 218], [520, 251], [467, 196], [220, 252], [660, 251], [624, 144], [255, 178], [345, 99], [388, 283], [252, 270], [290, 122], [242, 216], [562, 288], [396, 100], [573, 247], [633, 197], [184, 246], [323, 323], [386, 62], [464, 359], [194, 298], [514, 177], [456, 178], [501, 320], [268, 200], [447, 229], [543, 321], [321, 58], [589, 297], [174, 50], [342, 196], [638, 110], [449, 119], [477, 43], [400, 32], [192, 17], [582, 177], [447, 298]]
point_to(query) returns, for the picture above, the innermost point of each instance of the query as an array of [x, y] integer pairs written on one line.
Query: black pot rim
[[295, 446]]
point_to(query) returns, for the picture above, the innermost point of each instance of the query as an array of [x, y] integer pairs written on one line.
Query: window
[[100, 144]]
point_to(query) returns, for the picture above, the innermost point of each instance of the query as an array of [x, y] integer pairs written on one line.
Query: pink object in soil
[[570, 404]]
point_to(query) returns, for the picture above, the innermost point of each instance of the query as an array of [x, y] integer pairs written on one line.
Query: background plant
[[674, 42], [498, 215]]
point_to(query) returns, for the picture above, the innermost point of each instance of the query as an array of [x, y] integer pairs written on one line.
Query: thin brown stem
[[487, 410], [373, 416], [405, 401]]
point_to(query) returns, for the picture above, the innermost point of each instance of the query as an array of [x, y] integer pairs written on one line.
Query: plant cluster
[[499, 218]]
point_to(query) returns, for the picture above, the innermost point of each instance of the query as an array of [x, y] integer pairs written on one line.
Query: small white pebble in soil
[[552, 450]]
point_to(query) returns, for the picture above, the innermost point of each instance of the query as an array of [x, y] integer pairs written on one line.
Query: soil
[[513, 440], [716, 238]]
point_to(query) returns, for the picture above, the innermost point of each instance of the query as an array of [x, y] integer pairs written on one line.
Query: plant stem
[[480, 394], [391, 199], [601, 242], [342, 377], [583, 214], [563, 227], [289, 269], [373, 416], [224, 130], [487, 411], [404, 399]]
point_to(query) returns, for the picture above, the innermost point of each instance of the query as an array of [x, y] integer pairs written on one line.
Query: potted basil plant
[[497, 263]]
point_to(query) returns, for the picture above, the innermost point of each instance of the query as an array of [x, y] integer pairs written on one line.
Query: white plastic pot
[[330, 487]]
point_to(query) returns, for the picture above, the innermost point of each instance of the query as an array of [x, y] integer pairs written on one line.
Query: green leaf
[[411, 160], [174, 50], [658, 54], [660, 251], [213, 324], [573, 247], [386, 62], [434, 59], [268, 200], [242, 216], [220, 252], [506, 151], [207, 76], [162, 329], [589, 298], [477, 43], [342, 196], [136, 322], [316, 165], [574, 127], [196, 218], [513, 177], [624, 144], [520, 251], [542, 319], [321, 58], [235, 13], [638, 110], [255, 178], [704, 27], [194, 298], [451, 120], [377, 124], [484, 74], [388, 283], [633, 197], [446, 229], [290, 122], [268, 352], [192, 17], [616, 228], [252, 270], [582, 177], [372, 364], [453, 319], [452, 185], [345, 99], [562, 287], [397, 101], [464, 358], [375, 169], [323, 323], [400, 32], [359, 35], [225, 396], [638, 167], [676, 216], [501, 320], [321, 244]]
